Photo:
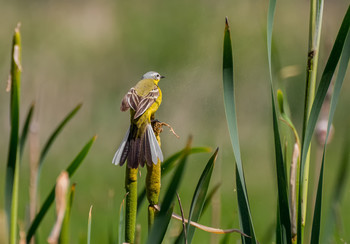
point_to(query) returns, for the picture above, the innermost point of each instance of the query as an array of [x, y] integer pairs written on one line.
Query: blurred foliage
[[93, 52]]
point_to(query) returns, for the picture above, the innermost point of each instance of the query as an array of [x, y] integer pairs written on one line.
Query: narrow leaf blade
[[12, 169], [320, 96], [51, 197], [162, 219], [199, 196], [168, 165], [25, 130], [230, 110], [56, 132], [316, 225]]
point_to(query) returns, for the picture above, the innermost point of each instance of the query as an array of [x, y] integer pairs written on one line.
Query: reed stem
[[12, 174], [131, 204], [153, 181], [315, 24]]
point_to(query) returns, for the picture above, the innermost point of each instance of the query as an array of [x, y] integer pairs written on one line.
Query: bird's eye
[[157, 75]]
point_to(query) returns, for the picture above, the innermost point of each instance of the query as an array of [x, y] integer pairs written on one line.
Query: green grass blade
[[89, 227], [316, 224], [285, 225], [64, 235], [54, 135], [12, 169], [199, 196], [284, 217], [51, 197], [285, 118], [230, 110], [121, 227], [168, 165], [335, 97], [325, 82], [25, 130], [162, 219], [320, 96]]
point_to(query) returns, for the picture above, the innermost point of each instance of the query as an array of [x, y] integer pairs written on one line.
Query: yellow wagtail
[[140, 144]]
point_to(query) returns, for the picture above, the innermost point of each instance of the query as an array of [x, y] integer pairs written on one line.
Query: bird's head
[[153, 75]]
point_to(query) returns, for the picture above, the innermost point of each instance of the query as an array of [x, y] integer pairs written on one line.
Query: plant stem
[[316, 10], [153, 183], [12, 174], [131, 204]]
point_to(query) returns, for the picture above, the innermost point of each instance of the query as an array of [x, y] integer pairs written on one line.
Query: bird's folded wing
[[146, 102]]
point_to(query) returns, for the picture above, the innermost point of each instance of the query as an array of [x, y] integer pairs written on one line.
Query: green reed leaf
[[199, 195], [74, 165], [283, 223], [315, 234], [168, 165], [64, 235], [230, 110], [320, 96], [162, 219], [25, 130], [56, 132], [12, 169]]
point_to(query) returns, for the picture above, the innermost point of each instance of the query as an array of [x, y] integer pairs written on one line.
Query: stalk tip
[[226, 23]]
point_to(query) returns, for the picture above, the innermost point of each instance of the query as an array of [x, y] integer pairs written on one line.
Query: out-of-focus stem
[[293, 197], [34, 146], [131, 204], [316, 10]]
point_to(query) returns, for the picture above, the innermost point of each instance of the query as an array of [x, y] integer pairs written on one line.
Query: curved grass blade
[[54, 135], [285, 118], [315, 234], [25, 130], [89, 227], [230, 110], [320, 96], [74, 165], [283, 225], [162, 219], [64, 235], [199, 195], [12, 169], [168, 165]]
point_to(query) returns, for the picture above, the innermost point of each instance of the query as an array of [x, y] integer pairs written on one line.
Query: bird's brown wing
[[146, 102], [139, 103]]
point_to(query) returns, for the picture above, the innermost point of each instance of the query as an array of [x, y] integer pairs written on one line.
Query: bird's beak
[[162, 76]]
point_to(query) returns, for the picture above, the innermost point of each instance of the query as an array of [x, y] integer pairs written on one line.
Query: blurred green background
[[94, 51]]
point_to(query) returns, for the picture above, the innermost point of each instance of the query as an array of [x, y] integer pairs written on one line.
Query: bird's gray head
[[152, 75]]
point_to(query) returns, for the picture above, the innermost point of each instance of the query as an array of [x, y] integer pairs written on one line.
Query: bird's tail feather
[[137, 150], [119, 156]]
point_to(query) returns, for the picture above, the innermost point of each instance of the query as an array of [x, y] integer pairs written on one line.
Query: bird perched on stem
[[140, 144]]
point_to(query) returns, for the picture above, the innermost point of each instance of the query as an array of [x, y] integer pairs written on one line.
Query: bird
[[140, 144]]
